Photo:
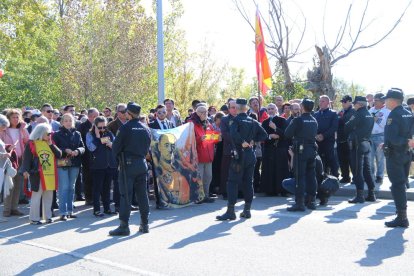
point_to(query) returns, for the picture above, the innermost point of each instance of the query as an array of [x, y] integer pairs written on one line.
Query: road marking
[[78, 255]]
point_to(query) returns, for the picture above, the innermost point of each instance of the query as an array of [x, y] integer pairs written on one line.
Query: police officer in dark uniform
[[244, 132], [342, 139], [303, 130], [327, 126], [397, 141], [359, 128], [131, 146]]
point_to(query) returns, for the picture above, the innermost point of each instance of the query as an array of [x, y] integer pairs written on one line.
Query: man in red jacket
[[205, 149]]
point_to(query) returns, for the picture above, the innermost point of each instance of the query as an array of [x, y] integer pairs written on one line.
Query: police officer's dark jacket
[[359, 126], [303, 129], [133, 139], [69, 139], [327, 124], [399, 129], [225, 134], [246, 129], [343, 117]]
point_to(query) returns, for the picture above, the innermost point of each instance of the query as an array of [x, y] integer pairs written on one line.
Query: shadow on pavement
[[345, 213], [384, 211], [388, 246], [281, 222], [212, 232], [60, 260]]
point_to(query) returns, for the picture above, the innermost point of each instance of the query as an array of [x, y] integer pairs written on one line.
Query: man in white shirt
[[47, 111], [380, 114]]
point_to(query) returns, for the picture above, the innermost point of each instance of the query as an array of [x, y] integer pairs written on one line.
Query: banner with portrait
[[175, 165]]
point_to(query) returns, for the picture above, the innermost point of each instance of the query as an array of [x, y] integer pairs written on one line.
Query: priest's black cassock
[[275, 158]]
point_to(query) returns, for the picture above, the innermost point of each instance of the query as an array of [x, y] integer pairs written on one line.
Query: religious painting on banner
[[175, 164]]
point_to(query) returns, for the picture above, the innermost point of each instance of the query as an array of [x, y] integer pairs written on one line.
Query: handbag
[[64, 162]]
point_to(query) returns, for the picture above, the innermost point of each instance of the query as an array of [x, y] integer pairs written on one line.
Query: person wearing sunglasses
[[70, 142], [120, 120], [103, 165], [48, 112]]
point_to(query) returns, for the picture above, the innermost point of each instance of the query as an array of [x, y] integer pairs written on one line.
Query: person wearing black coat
[[275, 154], [102, 163], [84, 128], [70, 142]]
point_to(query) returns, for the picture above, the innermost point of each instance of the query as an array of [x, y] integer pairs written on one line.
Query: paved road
[[340, 239]]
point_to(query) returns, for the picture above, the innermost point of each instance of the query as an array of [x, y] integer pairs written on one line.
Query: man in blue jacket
[[327, 126]]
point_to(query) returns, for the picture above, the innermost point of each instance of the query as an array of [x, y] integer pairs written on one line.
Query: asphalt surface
[[340, 239]]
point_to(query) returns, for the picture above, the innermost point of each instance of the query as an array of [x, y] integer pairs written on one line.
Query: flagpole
[[160, 52]]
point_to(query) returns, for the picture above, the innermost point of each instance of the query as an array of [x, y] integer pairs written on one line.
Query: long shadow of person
[[388, 246], [283, 220], [345, 213], [384, 211], [212, 232], [75, 255]]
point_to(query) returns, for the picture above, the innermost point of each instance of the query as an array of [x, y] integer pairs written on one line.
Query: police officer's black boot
[[310, 202], [228, 215], [359, 198], [299, 206], [400, 221], [122, 230], [143, 227], [246, 211], [371, 196]]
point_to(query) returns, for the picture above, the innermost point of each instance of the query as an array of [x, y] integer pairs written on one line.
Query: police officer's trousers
[[136, 176], [241, 173], [304, 166], [343, 157], [398, 168], [361, 166]]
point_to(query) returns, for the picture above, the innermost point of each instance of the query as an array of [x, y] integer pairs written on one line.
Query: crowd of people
[[57, 156]]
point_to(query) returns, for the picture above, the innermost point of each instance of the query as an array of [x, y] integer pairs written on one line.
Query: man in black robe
[[275, 154]]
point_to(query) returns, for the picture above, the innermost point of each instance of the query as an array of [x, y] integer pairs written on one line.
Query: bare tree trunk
[[289, 86]]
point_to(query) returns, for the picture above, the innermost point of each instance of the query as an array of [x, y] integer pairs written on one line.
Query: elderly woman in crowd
[[39, 165], [103, 164], [69, 141], [7, 172], [205, 149], [15, 136]]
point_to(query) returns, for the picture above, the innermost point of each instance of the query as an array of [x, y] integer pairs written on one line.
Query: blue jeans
[[66, 188], [377, 155]]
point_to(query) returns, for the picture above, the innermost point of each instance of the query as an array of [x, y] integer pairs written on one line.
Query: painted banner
[[175, 164]]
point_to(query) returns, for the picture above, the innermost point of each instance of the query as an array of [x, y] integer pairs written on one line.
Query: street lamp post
[[160, 52]]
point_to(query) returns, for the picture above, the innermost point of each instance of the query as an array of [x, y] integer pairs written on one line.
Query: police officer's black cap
[[410, 101], [308, 103], [224, 107], [346, 98], [241, 101], [378, 96], [394, 93], [133, 108], [360, 99]]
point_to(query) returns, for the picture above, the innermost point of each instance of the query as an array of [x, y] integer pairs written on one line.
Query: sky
[[389, 64]]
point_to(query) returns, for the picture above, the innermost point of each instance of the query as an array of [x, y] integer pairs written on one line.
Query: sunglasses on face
[[49, 133], [106, 111], [49, 111], [161, 112], [101, 128], [122, 111]]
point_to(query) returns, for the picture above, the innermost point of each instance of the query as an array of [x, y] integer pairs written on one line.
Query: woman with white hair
[[15, 136], [39, 165]]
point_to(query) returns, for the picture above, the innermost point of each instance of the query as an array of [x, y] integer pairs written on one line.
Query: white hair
[[4, 121], [39, 131]]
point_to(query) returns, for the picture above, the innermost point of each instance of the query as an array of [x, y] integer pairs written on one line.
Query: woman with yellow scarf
[[39, 164]]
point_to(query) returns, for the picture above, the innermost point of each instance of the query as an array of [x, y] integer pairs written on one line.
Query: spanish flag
[[264, 75]]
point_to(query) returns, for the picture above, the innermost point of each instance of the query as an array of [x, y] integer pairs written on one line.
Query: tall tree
[[348, 41]]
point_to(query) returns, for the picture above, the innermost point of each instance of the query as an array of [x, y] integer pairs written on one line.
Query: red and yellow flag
[[264, 75]]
